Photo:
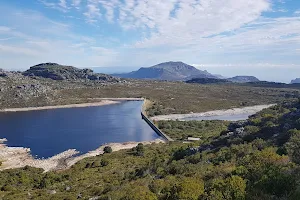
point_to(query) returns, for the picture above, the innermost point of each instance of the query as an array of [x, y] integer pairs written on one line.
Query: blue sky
[[228, 37]]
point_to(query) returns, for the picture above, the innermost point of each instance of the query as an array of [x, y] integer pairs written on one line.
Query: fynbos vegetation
[[253, 159]]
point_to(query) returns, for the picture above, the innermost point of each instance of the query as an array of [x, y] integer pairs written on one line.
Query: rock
[[52, 191], [68, 188], [3, 73], [61, 72], [94, 198], [234, 125], [239, 131]]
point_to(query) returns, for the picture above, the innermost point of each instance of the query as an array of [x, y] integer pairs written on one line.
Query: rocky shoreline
[[17, 157]]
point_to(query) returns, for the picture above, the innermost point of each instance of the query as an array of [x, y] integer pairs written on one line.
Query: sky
[[227, 37]]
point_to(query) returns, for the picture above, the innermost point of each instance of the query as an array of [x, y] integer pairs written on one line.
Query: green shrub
[[107, 149], [104, 162]]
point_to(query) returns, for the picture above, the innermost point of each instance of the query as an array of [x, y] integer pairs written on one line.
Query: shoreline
[[18, 157], [234, 111], [102, 102]]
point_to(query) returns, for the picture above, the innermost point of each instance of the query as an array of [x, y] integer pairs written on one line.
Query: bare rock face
[[61, 72]]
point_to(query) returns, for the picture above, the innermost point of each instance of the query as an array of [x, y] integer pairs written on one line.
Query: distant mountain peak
[[168, 71]]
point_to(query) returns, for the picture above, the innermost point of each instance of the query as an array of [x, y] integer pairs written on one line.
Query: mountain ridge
[[172, 71]]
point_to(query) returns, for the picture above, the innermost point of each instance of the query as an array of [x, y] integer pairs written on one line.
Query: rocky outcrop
[[61, 72], [2, 73], [11, 74], [243, 79]]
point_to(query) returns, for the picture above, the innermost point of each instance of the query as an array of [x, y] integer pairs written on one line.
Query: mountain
[[243, 79], [297, 80], [168, 71], [61, 72]]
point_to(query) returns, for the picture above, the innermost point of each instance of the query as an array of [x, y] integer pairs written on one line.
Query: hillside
[[172, 71], [61, 72], [253, 159], [243, 79]]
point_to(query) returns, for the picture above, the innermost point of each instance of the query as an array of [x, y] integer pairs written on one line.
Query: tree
[[140, 149], [107, 149], [190, 189], [293, 146], [233, 187]]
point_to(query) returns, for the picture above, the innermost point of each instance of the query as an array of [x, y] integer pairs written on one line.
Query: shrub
[[104, 162], [107, 149], [140, 149]]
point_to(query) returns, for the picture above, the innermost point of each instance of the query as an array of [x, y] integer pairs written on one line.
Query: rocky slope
[[243, 79], [60, 72], [172, 71], [38, 86]]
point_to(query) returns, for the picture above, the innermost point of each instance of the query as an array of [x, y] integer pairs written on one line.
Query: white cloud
[[93, 13], [194, 31], [76, 3], [18, 50], [63, 4], [4, 29]]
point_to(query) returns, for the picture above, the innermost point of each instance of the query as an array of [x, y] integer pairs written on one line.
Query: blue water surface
[[49, 132]]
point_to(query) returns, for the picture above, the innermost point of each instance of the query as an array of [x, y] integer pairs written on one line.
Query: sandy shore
[[16, 157], [234, 111], [120, 99], [100, 103]]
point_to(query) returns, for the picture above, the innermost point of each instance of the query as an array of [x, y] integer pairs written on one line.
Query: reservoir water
[[49, 132]]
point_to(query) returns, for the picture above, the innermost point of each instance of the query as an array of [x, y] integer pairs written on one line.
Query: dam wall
[[152, 125]]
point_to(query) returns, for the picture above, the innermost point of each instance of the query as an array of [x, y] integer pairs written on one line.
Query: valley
[[229, 160]]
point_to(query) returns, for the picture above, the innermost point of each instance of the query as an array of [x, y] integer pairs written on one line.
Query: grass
[[167, 97], [180, 130]]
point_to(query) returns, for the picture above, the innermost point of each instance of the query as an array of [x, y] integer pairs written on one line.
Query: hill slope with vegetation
[[254, 159]]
